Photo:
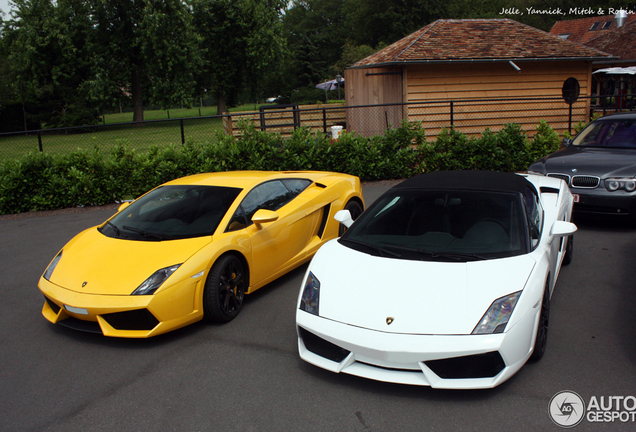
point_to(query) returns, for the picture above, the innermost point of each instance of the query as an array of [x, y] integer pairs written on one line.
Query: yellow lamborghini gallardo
[[192, 248]]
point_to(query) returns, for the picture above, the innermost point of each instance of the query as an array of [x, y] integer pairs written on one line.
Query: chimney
[[620, 18]]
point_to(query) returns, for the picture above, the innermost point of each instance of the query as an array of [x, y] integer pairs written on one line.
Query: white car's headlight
[[150, 285], [310, 299], [497, 316], [49, 270]]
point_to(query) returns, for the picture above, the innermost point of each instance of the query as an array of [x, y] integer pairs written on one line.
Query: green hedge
[[40, 181]]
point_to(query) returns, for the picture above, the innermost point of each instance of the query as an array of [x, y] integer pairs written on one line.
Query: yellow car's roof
[[245, 179]]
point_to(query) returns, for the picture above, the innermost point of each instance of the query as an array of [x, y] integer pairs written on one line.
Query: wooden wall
[[435, 85], [375, 86], [426, 83]]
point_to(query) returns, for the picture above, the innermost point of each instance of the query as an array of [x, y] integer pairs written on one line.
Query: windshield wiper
[[458, 256], [382, 251], [148, 233], [117, 230]]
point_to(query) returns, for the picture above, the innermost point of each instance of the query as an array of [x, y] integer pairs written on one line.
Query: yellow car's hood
[[95, 264]]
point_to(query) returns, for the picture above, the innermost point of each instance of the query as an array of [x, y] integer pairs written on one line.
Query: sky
[[4, 5]]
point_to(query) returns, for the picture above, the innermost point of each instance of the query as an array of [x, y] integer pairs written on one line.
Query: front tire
[[542, 329], [224, 289]]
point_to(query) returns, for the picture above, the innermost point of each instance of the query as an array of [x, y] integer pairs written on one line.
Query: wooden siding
[[374, 86], [311, 116], [435, 85], [483, 81]]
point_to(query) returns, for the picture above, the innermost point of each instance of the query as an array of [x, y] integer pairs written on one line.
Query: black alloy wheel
[[224, 289]]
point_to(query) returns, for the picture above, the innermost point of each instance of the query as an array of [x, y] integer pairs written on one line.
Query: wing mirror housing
[[264, 216], [562, 229], [566, 142], [124, 205], [344, 217]]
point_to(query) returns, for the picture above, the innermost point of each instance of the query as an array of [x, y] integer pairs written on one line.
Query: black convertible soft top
[[468, 180]]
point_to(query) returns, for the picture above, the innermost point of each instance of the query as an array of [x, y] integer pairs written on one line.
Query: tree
[[144, 47], [242, 41], [47, 58], [316, 31], [375, 22]]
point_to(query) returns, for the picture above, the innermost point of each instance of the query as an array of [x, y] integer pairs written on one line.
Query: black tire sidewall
[[212, 308]]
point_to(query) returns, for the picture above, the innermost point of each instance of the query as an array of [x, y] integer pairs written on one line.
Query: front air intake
[[321, 347], [485, 365], [140, 319]]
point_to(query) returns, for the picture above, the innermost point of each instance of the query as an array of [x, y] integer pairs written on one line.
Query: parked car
[[445, 281], [599, 165], [192, 248]]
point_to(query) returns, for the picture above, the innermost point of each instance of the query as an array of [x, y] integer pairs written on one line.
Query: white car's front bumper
[[478, 361]]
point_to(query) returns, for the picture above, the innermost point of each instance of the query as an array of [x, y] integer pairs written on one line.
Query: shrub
[[40, 181]]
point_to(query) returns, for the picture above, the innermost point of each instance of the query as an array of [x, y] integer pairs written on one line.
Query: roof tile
[[620, 42], [478, 39], [580, 30]]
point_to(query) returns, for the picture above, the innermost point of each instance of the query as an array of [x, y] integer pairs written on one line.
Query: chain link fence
[[469, 116]]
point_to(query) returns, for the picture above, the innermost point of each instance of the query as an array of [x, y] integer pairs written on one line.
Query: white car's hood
[[421, 297]]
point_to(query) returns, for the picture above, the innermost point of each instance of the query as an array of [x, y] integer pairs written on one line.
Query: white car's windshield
[[447, 225], [173, 212]]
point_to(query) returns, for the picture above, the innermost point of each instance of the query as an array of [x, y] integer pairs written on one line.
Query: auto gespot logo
[[567, 409]]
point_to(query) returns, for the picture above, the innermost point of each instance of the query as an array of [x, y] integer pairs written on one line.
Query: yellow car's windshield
[[173, 212]]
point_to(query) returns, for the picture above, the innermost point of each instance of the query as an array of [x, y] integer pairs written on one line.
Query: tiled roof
[[478, 40], [620, 42], [580, 30]]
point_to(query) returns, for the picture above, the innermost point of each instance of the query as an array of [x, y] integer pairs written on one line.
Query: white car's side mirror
[[562, 228], [344, 217]]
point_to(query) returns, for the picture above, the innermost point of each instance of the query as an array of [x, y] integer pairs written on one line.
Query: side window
[[296, 186], [269, 196], [534, 212]]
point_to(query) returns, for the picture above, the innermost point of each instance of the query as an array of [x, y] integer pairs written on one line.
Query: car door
[[277, 245]]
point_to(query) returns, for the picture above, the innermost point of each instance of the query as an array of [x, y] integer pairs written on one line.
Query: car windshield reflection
[[173, 212], [610, 133], [436, 225]]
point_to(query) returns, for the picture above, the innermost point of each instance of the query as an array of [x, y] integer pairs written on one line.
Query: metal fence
[[469, 116]]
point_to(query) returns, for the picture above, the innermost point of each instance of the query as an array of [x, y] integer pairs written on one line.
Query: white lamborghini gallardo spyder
[[445, 281]]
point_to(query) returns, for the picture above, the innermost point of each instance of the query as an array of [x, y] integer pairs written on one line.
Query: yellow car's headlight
[[150, 285], [49, 270]]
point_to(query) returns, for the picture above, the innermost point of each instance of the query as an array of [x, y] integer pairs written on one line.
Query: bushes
[[40, 181], [507, 150]]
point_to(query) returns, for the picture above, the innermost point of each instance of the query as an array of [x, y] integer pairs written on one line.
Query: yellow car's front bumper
[[125, 316]]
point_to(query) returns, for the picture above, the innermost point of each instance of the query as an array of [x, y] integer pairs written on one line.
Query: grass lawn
[[140, 137], [175, 113]]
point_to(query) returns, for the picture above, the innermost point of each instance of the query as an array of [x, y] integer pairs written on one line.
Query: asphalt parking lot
[[246, 375]]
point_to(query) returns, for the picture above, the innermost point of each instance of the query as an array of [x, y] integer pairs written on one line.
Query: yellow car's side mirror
[[264, 216], [123, 206]]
